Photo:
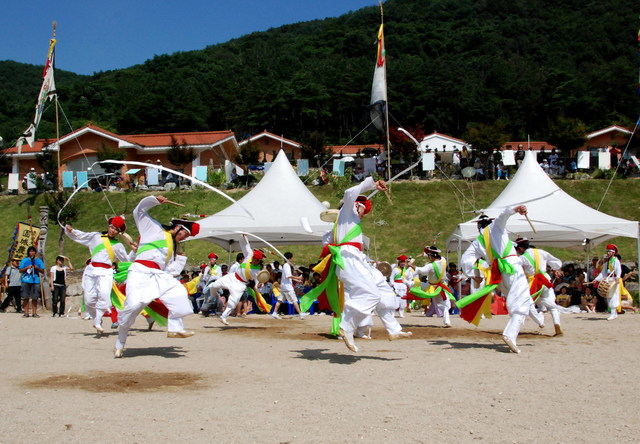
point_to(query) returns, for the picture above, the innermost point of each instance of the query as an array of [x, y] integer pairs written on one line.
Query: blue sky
[[101, 35]]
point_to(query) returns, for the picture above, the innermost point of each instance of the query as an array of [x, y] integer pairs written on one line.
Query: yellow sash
[[107, 245], [169, 239]]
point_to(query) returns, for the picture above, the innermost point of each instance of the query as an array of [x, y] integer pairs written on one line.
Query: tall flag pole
[[47, 92], [379, 112]]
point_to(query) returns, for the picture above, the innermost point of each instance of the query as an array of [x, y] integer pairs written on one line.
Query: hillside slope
[[418, 213]]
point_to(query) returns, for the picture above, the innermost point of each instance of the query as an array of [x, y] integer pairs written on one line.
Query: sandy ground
[[269, 381]]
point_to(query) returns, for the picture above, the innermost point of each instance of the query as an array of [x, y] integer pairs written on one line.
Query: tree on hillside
[[485, 137], [179, 154], [567, 134]]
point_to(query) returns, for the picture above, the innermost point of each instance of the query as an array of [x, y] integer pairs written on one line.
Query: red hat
[[366, 202], [402, 258], [213, 256], [611, 247], [258, 254], [117, 222], [193, 228]]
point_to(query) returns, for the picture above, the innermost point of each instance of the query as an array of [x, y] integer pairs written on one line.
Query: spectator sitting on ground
[[589, 300]]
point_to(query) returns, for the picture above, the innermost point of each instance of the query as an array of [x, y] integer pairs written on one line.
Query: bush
[[216, 178]]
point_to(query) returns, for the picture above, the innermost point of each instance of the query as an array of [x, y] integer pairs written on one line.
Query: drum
[[384, 268], [329, 215], [608, 287], [263, 276]]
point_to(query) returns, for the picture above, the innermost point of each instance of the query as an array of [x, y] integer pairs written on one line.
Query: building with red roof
[[270, 145], [79, 149]]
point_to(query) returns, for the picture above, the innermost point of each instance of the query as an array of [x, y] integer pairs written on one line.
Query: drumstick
[[530, 224], [174, 203]]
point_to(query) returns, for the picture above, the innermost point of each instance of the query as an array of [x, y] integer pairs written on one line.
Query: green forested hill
[[418, 213], [451, 63]]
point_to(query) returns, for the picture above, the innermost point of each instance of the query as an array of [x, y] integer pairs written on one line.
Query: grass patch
[[418, 213]]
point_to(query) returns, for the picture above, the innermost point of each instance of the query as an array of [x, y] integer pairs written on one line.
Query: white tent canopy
[[284, 212], [559, 219]]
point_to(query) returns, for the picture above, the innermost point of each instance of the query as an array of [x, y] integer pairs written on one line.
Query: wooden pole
[[55, 25]]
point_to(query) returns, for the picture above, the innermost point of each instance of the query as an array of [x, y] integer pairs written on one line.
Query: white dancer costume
[[402, 280], [385, 308], [236, 282], [97, 279], [612, 269], [436, 273], [357, 276], [535, 261], [151, 276], [515, 285]]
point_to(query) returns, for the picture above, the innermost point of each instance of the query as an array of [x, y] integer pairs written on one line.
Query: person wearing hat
[[97, 279], [611, 270], [535, 262], [12, 285], [211, 273], [152, 275], [436, 272], [494, 246], [402, 278], [352, 267], [246, 273]]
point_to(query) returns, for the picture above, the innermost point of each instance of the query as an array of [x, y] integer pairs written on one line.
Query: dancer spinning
[[402, 280], [535, 262], [436, 272], [493, 244], [236, 282], [97, 278], [152, 275]]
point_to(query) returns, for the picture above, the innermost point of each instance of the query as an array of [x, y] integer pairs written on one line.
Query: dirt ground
[[287, 381]]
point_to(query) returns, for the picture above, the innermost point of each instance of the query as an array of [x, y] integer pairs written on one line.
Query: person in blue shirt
[[31, 267]]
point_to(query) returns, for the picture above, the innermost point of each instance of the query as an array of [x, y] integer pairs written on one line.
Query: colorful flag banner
[[47, 92], [378, 106]]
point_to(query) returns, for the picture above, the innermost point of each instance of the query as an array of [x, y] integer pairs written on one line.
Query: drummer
[[611, 273]]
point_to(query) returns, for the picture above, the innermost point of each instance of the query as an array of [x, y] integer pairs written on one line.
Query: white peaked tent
[[284, 212], [559, 219]]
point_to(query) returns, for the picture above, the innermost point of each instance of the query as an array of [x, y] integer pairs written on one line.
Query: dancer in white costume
[[97, 279], [535, 262], [236, 282], [355, 273], [436, 272], [152, 275], [402, 277], [211, 273], [611, 268], [493, 244], [385, 309]]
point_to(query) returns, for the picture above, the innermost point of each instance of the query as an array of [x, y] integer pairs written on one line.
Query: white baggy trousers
[[143, 286], [96, 285], [519, 302], [361, 286]]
